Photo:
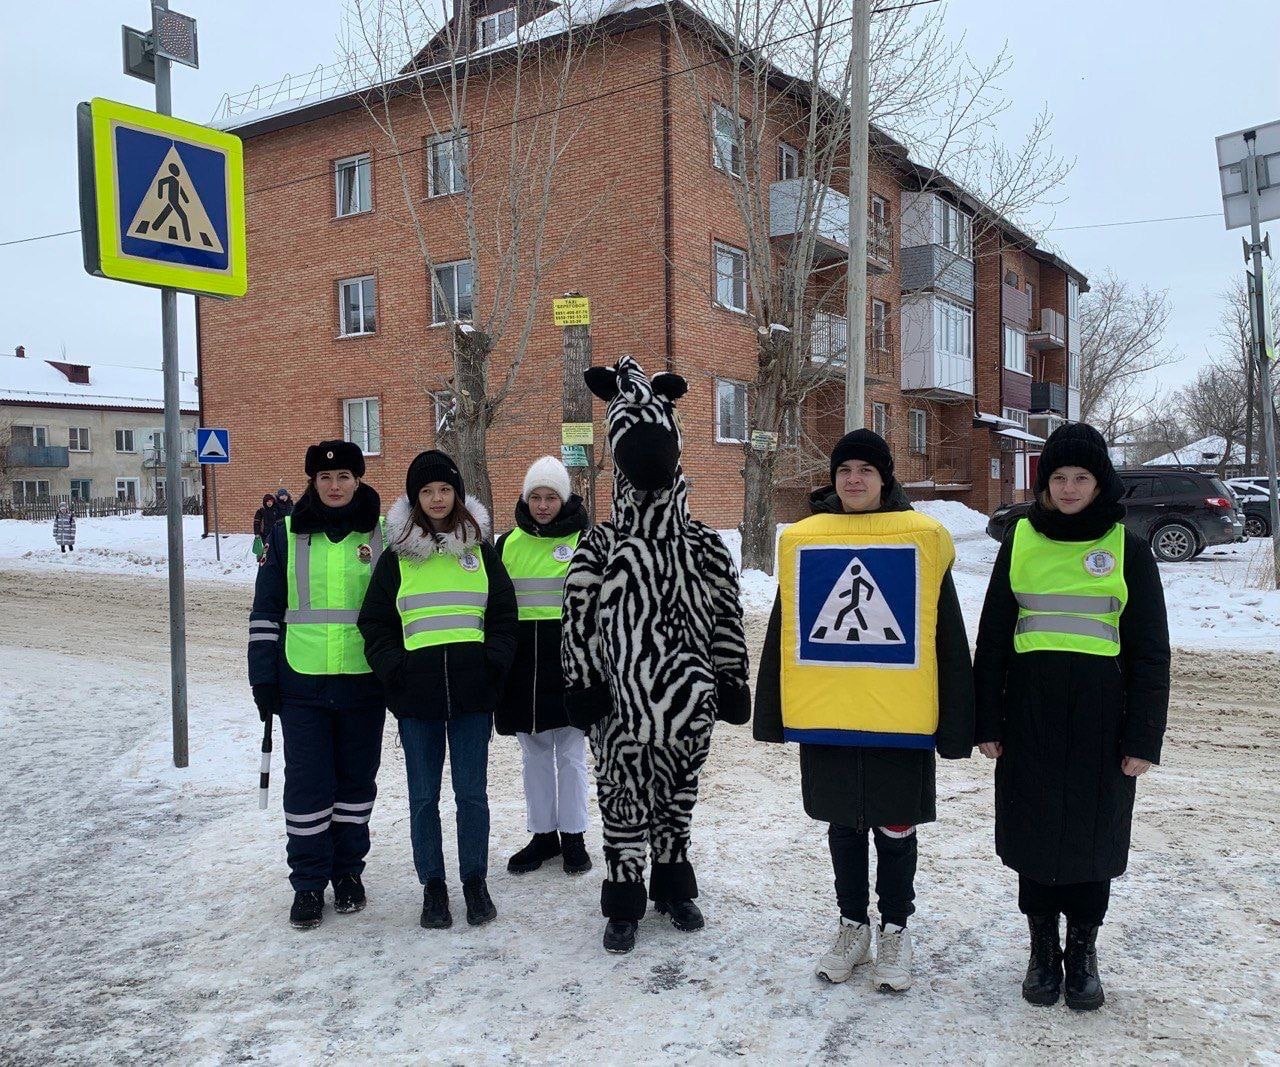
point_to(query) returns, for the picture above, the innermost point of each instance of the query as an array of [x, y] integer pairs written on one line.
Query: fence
[[45, 508]]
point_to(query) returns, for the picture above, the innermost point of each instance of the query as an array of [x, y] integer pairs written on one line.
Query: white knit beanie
[[547, 472]]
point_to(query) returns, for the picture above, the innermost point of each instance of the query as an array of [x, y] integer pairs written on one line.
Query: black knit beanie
[[332, 456], [1078, 444], [433, 466], [867, 446]]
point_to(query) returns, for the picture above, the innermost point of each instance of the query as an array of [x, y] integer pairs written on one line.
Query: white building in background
[[84, 432]]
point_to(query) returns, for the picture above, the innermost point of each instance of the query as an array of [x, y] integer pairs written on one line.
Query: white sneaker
[[852, 949], [893, 960]]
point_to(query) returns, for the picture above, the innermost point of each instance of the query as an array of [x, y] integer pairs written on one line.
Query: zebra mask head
[[641, 425]]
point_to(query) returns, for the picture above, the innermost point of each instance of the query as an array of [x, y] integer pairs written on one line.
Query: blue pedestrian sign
[[213, 446], [859, 605]]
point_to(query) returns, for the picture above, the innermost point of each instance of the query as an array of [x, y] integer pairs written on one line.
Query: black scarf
[[572, 518], [1086, 525], [311, 516]]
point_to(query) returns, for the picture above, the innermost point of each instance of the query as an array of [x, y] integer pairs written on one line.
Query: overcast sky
[[1138, 91]]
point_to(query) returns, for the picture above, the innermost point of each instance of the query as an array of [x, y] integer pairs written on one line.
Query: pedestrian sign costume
[[859, 614]]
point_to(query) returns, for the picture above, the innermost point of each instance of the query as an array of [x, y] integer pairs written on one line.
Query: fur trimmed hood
[[406, 539]]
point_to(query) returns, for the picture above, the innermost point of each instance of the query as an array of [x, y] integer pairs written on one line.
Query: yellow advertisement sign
[[572, 311], [577, 433]]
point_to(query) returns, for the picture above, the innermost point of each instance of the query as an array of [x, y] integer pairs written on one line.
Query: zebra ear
[[672, 386], [602, 381]]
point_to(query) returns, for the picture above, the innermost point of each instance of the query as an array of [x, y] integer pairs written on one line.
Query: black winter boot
[[308, 909], [1083, 988], [348, 894], [480, 909], [1043, 983], [620, 936], [530, 858], [435, 906], [685, 914], [576, 860]]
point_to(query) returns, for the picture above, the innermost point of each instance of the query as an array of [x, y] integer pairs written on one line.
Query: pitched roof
[[1205, 452], [35, 381]]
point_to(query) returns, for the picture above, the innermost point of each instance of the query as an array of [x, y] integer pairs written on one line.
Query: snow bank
[[964, 523]]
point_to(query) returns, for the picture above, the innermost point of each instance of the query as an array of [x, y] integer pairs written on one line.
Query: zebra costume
[[652, 646]]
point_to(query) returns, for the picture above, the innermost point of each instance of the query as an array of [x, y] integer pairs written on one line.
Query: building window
[[880, 325], [446, 410], [353, 190], [362, 423], [81, 489], [451, 295], [160, 487], [1073, 370], [493, 28], [879, 209], [829, 342], [952, 328], [33, 436], [447, 164], [124, 441], [951, 227], [356, 297], [1073, 299], [731, 411], [1014, 415], [727, 131], [918, 440], [28, 492], [788, 162], [731, 277], [127, 489], [78, 439], [880, 419], [1015, 350]]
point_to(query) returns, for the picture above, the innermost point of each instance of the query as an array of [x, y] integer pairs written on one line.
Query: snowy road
[[144, 916]]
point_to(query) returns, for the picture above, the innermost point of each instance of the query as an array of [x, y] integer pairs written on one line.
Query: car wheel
[[1256, 526], [1173, 543]]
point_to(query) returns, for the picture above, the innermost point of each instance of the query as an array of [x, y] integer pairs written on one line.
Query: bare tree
[[1214, 405], [1122, 339], [760, 72], [1235, 334], [489, 119]]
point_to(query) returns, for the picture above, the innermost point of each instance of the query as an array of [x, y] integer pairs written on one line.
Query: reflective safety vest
[[859, 597], [326, 586], [538, 566], [1070, 593], [442, 598]]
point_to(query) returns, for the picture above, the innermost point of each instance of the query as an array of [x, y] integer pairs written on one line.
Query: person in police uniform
[[439, 623], [549, 521], [866, 665], [307, 665], [1072, 681]]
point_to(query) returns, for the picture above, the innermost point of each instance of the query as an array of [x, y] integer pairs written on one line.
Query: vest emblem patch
[[1099, 562], [562, 553], [468, 562]]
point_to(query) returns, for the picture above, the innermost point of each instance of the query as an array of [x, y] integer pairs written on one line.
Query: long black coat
[[1064, 808], [865, 787], [533, 698]]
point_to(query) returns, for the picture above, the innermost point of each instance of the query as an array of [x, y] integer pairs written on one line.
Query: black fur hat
[[334, 456]]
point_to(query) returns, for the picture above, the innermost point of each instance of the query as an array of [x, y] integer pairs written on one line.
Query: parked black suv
[[1181, 512], [1255, 501]]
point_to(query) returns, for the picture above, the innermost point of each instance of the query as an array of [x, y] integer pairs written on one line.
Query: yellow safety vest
[[442, 598], [1070, 593], [538, 566], [326, 586], [859, 619]]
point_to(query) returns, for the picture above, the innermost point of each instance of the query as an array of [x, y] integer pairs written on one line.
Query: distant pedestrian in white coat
[[64, 528]]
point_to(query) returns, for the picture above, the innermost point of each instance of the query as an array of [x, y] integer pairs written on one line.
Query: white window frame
[[952, 328], [829, 338], [1013, 349], [24, 497], [734, 255], [39, 434], [362, 164], [1073, 299], [788, 154], [735, 390], [880, 419], [366, 311], [369, 437], [879, 208], [447, 151], [880, 325], [489, 28], [131, 487], [453, 289], [953, 227], [444, 411], [1015, 415], [133, 446], [82, 495], [85, 443], [1073, 370], [917, 432], [728, 148]]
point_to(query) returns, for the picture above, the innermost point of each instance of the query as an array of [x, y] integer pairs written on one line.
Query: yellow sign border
[[234, 281]]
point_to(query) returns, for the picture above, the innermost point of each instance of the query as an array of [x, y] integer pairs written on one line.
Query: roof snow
[[1208, 450], [34, 381]]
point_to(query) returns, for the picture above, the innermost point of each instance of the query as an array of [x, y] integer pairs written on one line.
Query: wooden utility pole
[[577, 404]]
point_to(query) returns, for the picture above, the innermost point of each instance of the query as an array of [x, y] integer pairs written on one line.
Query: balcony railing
[[38, 456], [1052, 332], [787, 219], [154, 458], [1048, 396], [879, 245], [828, 350], [1015, 305]]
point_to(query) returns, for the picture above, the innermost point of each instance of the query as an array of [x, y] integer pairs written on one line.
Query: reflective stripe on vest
[[538, 566], [326, 584], [441, 600], [1070, 594]]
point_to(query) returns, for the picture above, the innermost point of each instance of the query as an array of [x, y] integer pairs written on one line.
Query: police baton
[[264, 775]]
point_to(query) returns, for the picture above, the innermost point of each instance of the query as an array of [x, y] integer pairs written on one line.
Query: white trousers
[[555, 780]]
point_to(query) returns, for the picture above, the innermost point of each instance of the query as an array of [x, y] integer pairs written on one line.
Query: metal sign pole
[[173, 475], [1261, 346], [217, 532]]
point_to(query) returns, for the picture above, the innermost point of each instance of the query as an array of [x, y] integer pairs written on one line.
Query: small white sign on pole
[[1232, 153]]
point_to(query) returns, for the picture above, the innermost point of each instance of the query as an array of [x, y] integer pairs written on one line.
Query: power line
[[1134, 222], [38, 237]]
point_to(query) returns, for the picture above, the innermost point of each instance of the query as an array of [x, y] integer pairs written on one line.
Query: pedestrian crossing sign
[[213, 445], [859, 605], [161, 201]]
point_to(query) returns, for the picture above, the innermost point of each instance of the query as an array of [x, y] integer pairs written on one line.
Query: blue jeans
[[424, 742]]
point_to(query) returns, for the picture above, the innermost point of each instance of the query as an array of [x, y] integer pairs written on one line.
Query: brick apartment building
[[972, 330]]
